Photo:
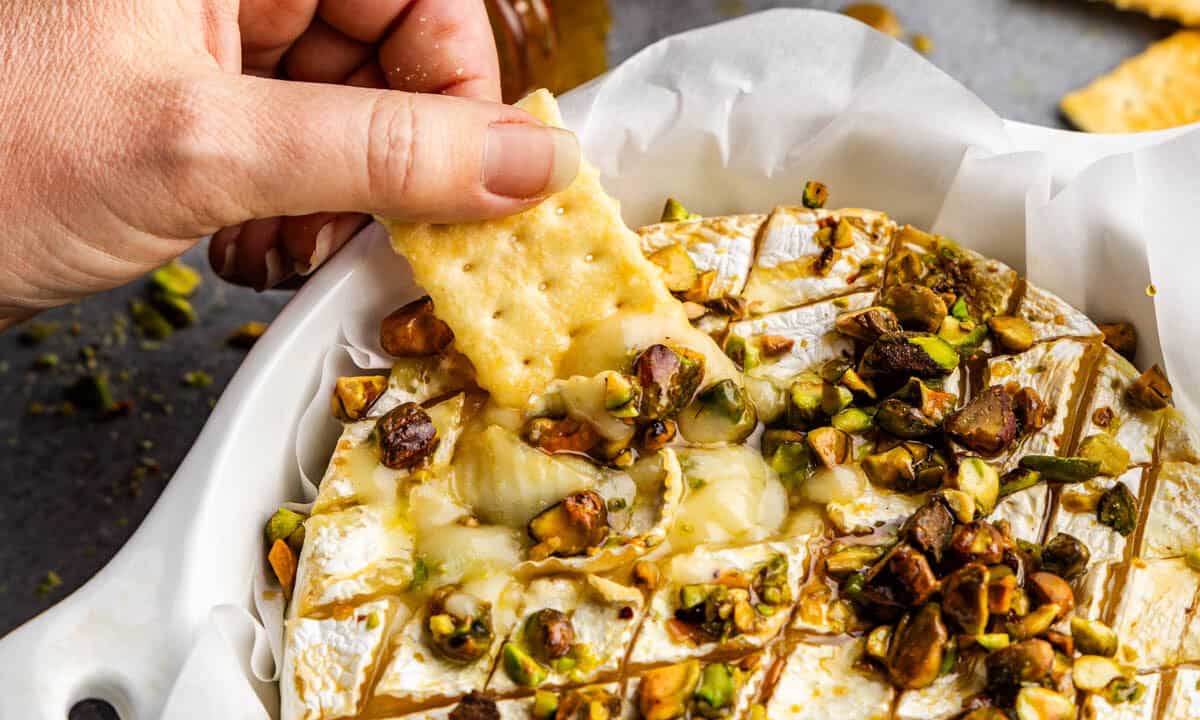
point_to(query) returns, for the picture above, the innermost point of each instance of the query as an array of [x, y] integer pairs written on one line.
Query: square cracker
[[1155, 90], [516, 290], [1186, 12]]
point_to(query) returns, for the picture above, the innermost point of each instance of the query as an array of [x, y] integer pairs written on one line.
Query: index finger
[[443, 46]]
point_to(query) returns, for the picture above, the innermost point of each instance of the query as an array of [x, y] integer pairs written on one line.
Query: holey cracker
[[520, 291]]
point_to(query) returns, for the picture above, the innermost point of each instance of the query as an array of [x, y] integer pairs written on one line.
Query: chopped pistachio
[[744, 353], [916, 306], [51, 581], [1034, 623], [175, 278], [854, 382], [521, 668], [286, 525], [959, 309], [679, 271], [622, 395], [1121, 337], [1018, 479], [1065, 556], [1118, 509], [90, 392], [353, 397], [852, 420], [910, 354], [1013, 334], [674, 211], [917, 648], [46, 361], [852, 559], [878, 641], [175, 308], [1151, 390], [150, 321], [545, 705], [414, 330], [571, 526], [868, 324], [1104, 448], [993, 641], [716, 689], [1092, 673], [246, 334], [815, 194], [1021, 662], [1039, 703], [197, 379], [835, 398], [829, 445], [962, 335], [664, 692], [34, 332], [1062, 469], [720, 413], [1192, 558], [979, 479], [1093, 637]]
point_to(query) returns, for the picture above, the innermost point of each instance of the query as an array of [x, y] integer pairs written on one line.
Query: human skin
[[131, 128]]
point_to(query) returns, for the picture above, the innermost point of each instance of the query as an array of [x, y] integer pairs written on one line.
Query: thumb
[[291, 148]]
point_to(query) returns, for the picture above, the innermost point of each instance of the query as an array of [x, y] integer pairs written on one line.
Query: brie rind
[[784, 275], [819, 682], [1106, 545], [604, 621], [1180, 439], [1173, 525], [811, 330], [1153, 612], [945, 698], [1095, 707], [1184, 693], [354, 553], [355, 475], [1051, 369], [1133, 427], [724, 245], [1051, 317], [327, 663], [1093, 591], [655, 643]]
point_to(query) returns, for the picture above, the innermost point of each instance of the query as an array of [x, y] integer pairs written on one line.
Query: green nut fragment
[[1192, 558], [852, 559], [854, 382], [964, 335], [674, 211], [806, 394], [1013, 334], [175, 308], [893, 469], [1123, 689], [90, 392], [916, 306], [835, 398], [959, 309], [937, 349], [664, 692], [720, 413], [917, 648], [852, 420], [1027, 661], [150, 321], [1105, 449], [910, 354], [1039, 703], [1035, 623], [1093, 637], [868, 324], [669, 378], [815, 195], [993, 641], [521, 668], [1065, 556], [716, 690], [246, 334], [1151, 390], [1062, 469], [829, 446], [1093, 673], [960, 504], [175, 278], [545, 705], [1118, 509], [679, 271], [979, 479], [744, 353], [621, 395], [786, 451], [287, 525], [878, 642], [1018, 479]]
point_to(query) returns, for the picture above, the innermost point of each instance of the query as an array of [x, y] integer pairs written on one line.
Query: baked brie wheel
[[806, 464]]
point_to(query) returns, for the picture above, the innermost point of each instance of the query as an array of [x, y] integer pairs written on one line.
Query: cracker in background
[[1185, 12], [1155, 90], [516, 290]]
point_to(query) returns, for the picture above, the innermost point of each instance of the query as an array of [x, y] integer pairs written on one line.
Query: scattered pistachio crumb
[[197, 379], [922, 44], [35, 332], [246, 334], [48, 583], [46, 361], [1151, 290]]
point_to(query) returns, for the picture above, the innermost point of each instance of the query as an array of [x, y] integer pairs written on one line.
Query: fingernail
[[274, 263], [525, 161], [321, 250]]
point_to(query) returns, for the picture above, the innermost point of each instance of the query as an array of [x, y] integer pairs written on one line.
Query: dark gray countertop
[[76, 488]]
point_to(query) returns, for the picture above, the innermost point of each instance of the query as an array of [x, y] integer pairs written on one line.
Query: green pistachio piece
[[854, 382], [545, 705], [868, 324], [829, 445], [1118, 509], [895, 468], [916, 306], [1018, 479], [910, 354], [521, 668], [746, 354], [716, 689], [1104, 448], [835, 398], [878, 641], [1062, 469], [720, 413], [1065, 556], [1093, 673], [977, 478], [283, 525], [1151, 390], [175, 278], [149, 320], [815, 195], [852, 559], [1039, 703], [91, 392], [993, 641], [903, 420], [959, 309], [175, 308], [852, 420], [807, 393], [1093, 637], [963, 335], [1013, 334], [679, 271], [622, 395], [674, 211], [1035, 623]]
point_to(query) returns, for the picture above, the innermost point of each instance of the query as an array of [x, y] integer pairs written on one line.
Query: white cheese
[[1134, 428], [1106, 545], [1154, 611], [1173, 524], [724, 245], [811, 330], [1097, 708], [1051, 317], [732, 496], [1025, 511], [1180, 440], [1185, 696], [944, 699], [784, 275], [876, 510], [327, 663], [350, 554], [1093, 592], [820, 682], [655, 643]]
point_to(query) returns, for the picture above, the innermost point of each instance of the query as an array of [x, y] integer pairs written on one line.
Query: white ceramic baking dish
[[126, 634]]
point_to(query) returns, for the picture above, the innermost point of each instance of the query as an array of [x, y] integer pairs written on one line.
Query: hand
[[129, 131]]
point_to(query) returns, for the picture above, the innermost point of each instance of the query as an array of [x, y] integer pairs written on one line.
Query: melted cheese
[[1096, 707], [1154, 612], [945, 698], [1134, 428], [1025, 512], [1106, 545], [1173, 524], [876, 510], [732, 496], [820, 682], [724, 245]]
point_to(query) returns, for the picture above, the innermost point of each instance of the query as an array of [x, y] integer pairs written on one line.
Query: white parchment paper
[[734, 118]]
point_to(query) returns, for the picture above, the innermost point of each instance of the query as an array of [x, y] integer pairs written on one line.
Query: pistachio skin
[[406, 436]]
